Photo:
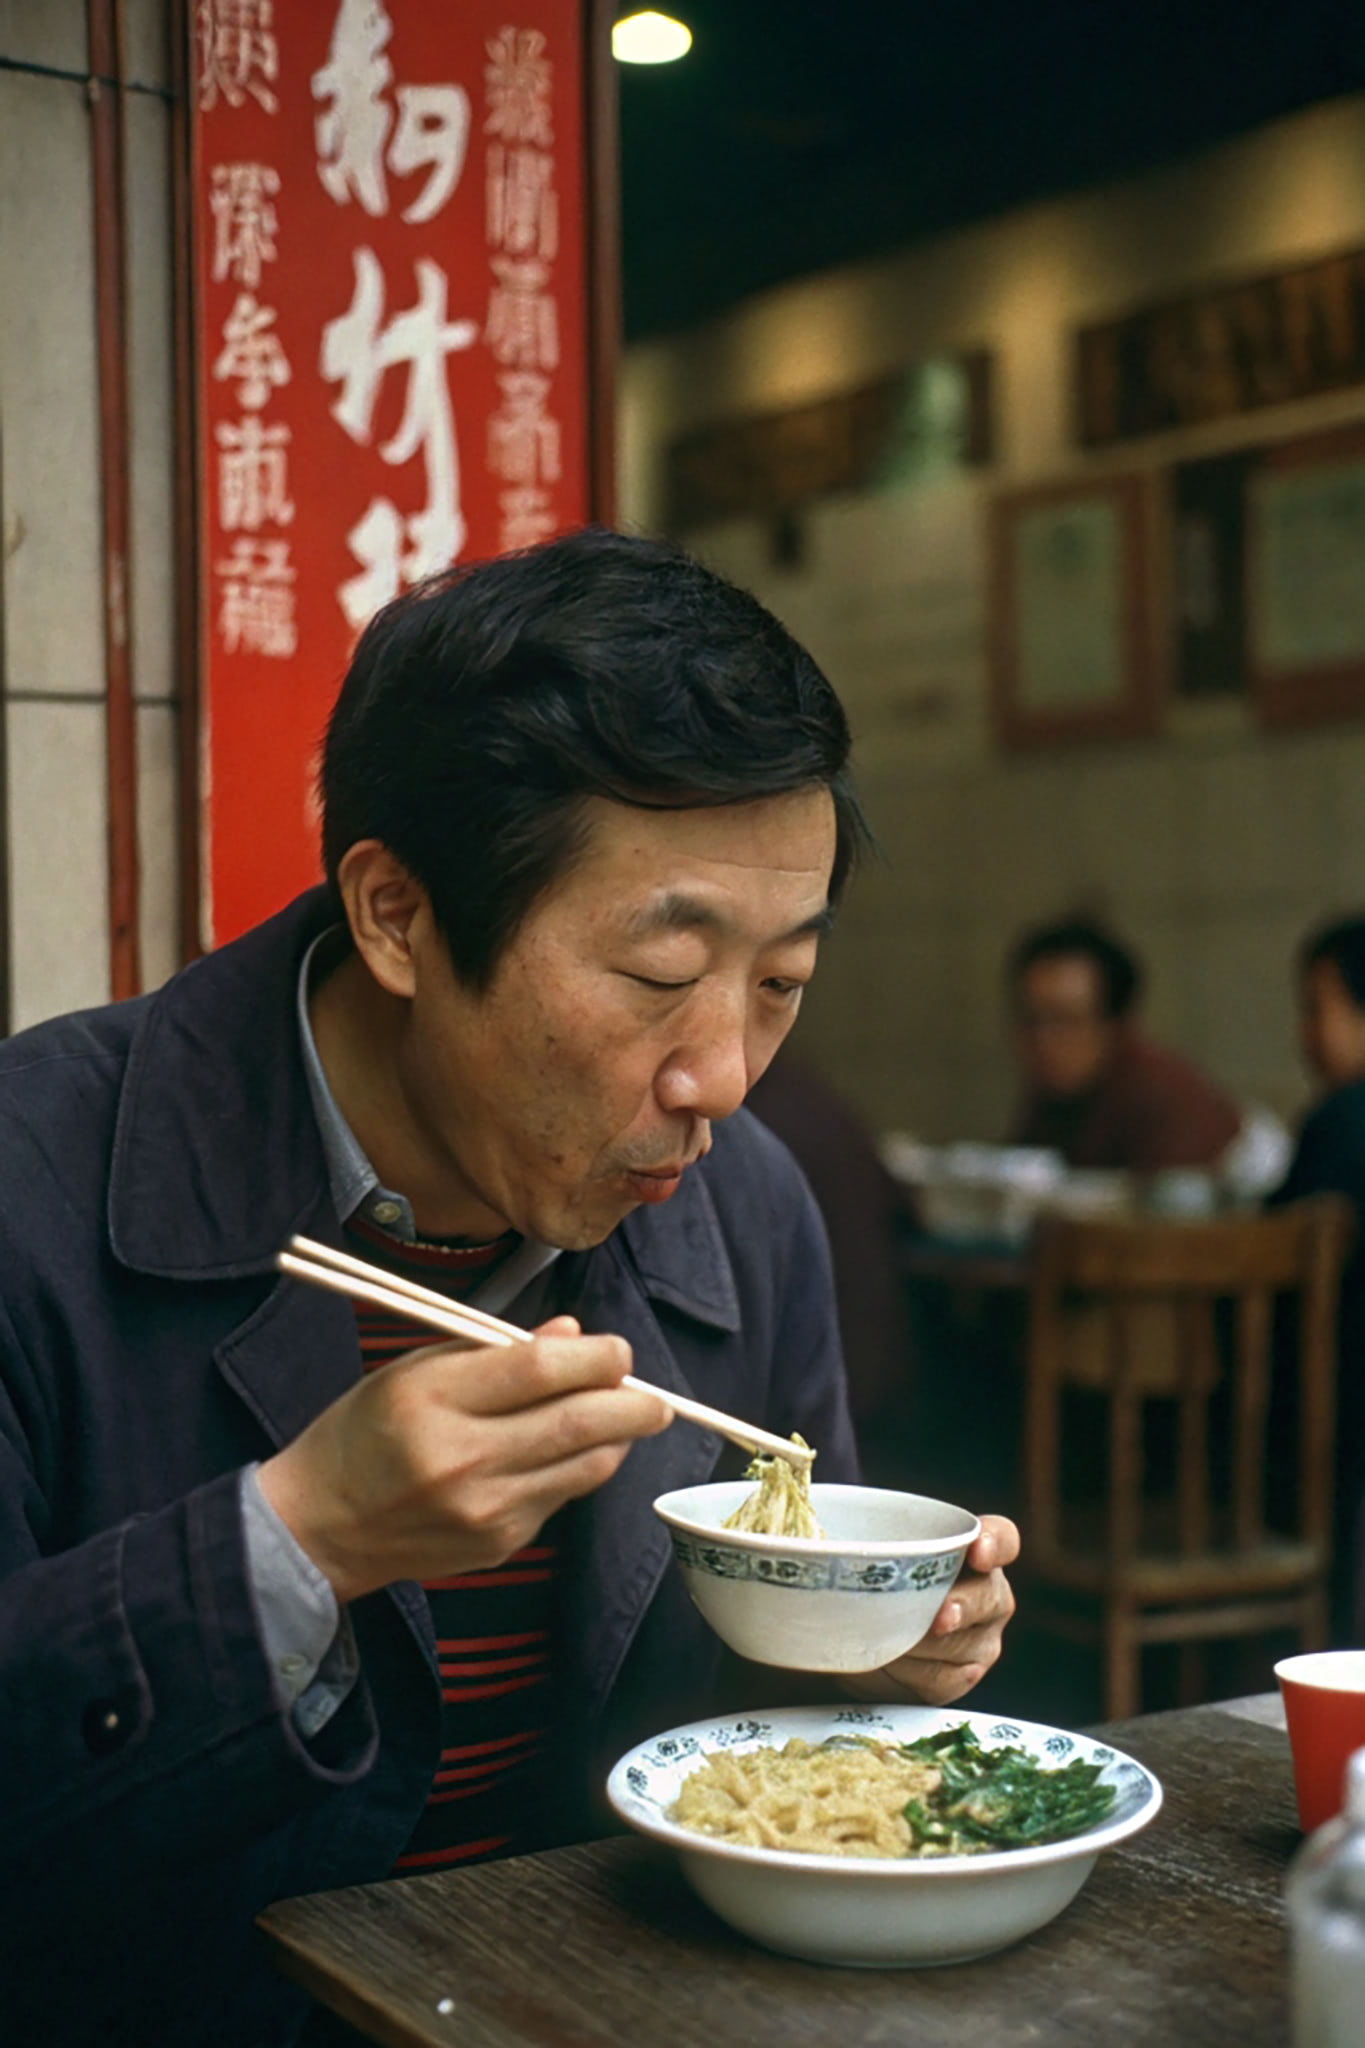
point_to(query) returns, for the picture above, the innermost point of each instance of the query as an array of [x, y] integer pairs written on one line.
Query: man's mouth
[[656, 1183]]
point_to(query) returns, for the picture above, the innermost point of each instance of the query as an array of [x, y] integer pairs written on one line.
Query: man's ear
[[384, 906]]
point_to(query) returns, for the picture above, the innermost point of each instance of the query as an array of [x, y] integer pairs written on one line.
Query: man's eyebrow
[[674, 911]]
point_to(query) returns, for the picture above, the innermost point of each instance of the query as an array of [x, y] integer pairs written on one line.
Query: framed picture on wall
[[1206, 529], [1071, 645], [1305, 579]]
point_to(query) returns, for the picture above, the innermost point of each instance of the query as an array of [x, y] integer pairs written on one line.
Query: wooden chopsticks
[[320, 1266]]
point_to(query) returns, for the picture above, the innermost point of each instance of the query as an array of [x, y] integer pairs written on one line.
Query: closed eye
[[644, 981]]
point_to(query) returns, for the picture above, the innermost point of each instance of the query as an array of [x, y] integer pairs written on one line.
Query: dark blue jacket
[[154, 1155]]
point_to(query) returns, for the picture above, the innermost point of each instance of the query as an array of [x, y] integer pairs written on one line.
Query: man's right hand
[[446, 1461]]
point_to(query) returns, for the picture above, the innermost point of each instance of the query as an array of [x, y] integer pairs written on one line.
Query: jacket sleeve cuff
[[295, 1605], [145, 1680]]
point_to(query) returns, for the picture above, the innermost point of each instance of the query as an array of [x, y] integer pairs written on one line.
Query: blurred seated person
[[864, 1212], [1095, 1088], [1330, 1155], [1330, 1159]]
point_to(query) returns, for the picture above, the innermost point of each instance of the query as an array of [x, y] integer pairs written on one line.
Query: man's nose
[[709, 1077]]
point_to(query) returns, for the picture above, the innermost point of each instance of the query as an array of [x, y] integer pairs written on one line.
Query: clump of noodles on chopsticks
[[780, 1503]]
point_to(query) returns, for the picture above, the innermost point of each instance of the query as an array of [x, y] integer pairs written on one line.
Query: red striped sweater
[[494, 1629]]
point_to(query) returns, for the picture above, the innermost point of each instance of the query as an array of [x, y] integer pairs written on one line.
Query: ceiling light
[[650, 38]]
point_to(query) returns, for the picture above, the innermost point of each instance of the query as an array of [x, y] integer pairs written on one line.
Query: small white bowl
[[854, 1602], [876, 1912]]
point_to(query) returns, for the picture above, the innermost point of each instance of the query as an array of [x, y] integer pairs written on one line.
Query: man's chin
[[580, 1239], [580, 1229]]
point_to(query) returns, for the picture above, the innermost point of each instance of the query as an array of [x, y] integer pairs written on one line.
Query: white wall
[[50, 495], [1214, 846]]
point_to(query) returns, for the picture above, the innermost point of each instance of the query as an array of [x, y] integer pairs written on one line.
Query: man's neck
[[358, 1029]]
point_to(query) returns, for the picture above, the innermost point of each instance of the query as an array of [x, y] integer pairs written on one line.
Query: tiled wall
[[1215, 846], [53, 663]]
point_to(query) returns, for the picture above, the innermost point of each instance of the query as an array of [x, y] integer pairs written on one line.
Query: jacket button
[[106, 1726]]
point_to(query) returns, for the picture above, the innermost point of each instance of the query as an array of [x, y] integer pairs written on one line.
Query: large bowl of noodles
[[852, 1599], [830, 1904]]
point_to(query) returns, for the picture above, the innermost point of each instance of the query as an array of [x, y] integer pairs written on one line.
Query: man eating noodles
[[293, 1598]]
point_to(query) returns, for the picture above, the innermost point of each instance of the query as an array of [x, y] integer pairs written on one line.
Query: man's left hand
[[965, 1638]]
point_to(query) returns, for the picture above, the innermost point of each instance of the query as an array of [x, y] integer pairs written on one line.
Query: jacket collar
[[680, 1257], [217, 1155]]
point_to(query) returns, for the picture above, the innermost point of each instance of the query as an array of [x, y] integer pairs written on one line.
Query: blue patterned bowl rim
[[709, 1528], [827, 1570], [644, 1783]]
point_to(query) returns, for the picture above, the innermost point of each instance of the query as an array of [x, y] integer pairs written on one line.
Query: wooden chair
[[1182, 1313]]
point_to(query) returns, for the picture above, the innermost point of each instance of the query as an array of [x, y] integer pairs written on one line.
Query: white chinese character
[[236, 42], [523, 441], [253, 475], [244, 223], [518, 79], [523, 325], [433, 128], [257, 610], [526, 518], [251, 353], [376, 541], [433, 120], [523, 209], [351, 134], [356, 351]]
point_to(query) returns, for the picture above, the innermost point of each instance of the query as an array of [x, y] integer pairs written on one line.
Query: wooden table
[[1177, 1938]]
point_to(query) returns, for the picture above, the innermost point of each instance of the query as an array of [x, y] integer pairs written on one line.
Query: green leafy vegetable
[[999, 1798]]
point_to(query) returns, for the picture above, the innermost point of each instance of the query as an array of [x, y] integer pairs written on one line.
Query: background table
[[984, 1267], [966, 1314], [1177, 1938]]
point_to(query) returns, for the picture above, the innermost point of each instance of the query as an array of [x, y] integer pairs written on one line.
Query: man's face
[[1331, 1026], [1063, 1038], [642, 996]]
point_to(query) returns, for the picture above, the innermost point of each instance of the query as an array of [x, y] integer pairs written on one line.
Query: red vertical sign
[[392, 358]]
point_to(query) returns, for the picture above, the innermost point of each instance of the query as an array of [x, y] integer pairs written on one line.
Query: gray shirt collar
[[356, 1186]]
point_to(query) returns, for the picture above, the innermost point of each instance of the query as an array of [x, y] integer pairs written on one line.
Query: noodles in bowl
[[853, 1901], [840, 1799], [851, 1795], [780, 1503]]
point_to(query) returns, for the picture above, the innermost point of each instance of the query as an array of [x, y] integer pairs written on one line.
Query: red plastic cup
[[1324, 1705]]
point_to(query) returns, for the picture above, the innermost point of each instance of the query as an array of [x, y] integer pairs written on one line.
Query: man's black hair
[[482, 707], [1120, 976], [1343, 943]]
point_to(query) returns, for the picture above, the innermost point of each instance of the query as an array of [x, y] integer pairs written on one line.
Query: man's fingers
[[573, 1477], [507, 1503], [943, 1669], [965, 1646], [974, 1600], [537, 1439], [938, 1685], [996, 1547], [501, 1380], [965, 1637]]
